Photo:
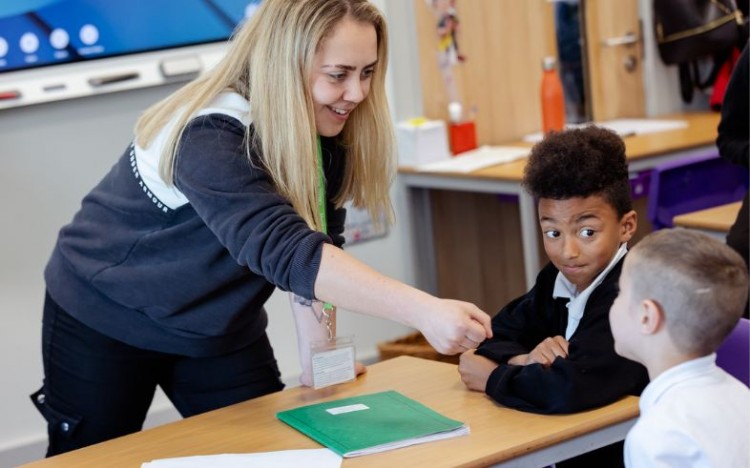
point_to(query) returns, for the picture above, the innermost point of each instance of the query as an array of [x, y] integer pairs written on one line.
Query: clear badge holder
[[333, 360]]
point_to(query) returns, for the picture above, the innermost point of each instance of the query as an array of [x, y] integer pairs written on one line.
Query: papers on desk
[[479, 158], [624, 127], [371, 423], [313, 458]]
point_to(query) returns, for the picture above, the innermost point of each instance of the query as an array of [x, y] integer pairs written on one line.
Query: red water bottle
[[553, 101]]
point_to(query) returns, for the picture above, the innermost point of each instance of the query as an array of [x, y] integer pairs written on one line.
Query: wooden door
[[614, 59]]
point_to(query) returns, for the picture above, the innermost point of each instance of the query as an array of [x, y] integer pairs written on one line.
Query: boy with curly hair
[[552, 349], [681, 294]]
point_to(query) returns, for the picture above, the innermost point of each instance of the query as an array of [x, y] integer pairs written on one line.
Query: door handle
[[628, 39], [630, 63]]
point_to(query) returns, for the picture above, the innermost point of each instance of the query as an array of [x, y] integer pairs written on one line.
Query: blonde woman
[[233, 186]]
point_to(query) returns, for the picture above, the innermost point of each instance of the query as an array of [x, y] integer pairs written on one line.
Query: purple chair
[[734, 353], [693, 184]]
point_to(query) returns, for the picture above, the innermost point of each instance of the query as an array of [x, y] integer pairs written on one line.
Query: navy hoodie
[[186, 269]]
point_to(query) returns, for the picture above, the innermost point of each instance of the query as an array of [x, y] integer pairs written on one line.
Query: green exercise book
[[371, 423]]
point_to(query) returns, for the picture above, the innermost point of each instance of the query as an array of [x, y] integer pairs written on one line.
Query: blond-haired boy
[[681, 294]]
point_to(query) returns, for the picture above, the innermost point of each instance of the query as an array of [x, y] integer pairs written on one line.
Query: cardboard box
[[422, 141]]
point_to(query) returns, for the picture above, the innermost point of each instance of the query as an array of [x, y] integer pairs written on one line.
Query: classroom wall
[[52, 154]]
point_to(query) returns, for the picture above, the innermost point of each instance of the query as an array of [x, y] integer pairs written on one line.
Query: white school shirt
[[692, 415], [577, 304]]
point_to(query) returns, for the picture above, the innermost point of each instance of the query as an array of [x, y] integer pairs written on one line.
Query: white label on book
[[347, 409]]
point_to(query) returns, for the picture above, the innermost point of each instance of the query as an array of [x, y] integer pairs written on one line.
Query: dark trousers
[[96, 388]]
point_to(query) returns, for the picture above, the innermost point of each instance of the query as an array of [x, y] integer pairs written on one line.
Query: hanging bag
[[689, 30]]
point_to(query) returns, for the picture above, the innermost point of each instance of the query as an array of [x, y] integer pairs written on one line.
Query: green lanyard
[[327, 306], [322, 191]]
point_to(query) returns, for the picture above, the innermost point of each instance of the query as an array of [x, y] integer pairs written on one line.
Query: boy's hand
[[547, 351], [475, 370]]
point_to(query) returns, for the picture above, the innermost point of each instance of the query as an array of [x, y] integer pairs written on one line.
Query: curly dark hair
[[580, 163]]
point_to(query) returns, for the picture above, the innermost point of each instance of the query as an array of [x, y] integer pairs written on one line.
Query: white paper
[[312, 458], [479, 158], [624, 127]]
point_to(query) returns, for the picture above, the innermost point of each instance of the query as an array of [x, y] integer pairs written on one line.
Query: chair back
[[734, 354], [692, 184]]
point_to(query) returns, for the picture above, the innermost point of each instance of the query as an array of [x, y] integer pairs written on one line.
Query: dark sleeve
[[335, 161], [592, 375], [239, 204], [734, 128], [336, 222]]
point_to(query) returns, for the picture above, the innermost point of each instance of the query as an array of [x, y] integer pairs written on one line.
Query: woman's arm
[[450, 326], [309, 331], [261, 230]]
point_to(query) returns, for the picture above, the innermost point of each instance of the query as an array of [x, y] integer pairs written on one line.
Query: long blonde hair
[[269, 63]]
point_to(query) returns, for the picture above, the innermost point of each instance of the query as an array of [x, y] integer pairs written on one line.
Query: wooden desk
[[714, 221], [498, 434], [470, 244]]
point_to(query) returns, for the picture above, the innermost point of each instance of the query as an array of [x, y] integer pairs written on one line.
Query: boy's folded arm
[[515, 330], [581, 381], [500, 351]]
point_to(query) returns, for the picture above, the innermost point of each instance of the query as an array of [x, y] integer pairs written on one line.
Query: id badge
[[333, 362]]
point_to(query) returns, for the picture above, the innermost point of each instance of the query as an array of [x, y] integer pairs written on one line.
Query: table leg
[[529, 233], [422, 241]]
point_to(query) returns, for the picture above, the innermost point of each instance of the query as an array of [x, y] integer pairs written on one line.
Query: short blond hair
[[700, 283], [269, 63]]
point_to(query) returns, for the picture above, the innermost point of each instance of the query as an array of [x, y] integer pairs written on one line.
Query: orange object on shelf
[[553, 100]]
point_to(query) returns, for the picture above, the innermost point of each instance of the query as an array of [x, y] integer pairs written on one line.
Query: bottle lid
[[548, 63], [455, 111]]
